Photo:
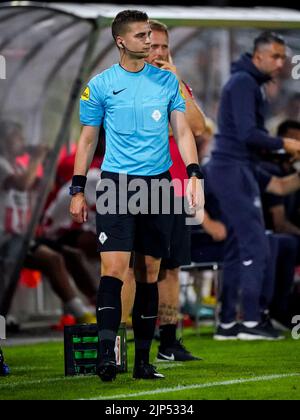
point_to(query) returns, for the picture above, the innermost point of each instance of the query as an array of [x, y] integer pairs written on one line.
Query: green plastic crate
[[81, 349]]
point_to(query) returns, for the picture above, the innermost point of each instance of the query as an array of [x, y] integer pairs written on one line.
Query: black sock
[[144, 317], [167, 335], [109, 313]]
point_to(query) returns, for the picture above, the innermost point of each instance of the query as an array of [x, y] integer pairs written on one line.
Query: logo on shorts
[[248, 263], [103, 238], [257, 203], [156, 115]]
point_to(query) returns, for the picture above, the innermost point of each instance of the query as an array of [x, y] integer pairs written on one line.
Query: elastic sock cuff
[[146, 286], [111, 285]]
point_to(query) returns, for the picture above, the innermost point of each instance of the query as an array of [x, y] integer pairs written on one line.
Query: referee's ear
[[119, 43]]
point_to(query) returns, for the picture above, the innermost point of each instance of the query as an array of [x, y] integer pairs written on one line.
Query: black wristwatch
[[76, 190]]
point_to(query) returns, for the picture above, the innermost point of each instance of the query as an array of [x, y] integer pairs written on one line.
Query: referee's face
[[136, 41], [159, 48]]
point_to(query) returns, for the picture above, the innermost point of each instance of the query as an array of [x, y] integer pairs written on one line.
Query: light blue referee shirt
[[135, 109]]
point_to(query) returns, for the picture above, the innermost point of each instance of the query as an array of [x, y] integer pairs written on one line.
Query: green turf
[[38, 373]]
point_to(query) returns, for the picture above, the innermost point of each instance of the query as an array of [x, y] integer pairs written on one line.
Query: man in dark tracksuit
[[235, 179]]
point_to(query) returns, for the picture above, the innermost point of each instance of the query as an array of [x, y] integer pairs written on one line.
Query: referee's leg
[[145, 313], [114, 268]]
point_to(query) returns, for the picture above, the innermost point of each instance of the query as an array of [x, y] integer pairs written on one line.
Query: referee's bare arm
[[187, 147], [84, 156]]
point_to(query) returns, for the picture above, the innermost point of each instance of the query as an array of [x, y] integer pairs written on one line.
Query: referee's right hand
[[79, 208]]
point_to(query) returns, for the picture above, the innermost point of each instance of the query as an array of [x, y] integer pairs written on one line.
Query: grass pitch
[[229, 371]]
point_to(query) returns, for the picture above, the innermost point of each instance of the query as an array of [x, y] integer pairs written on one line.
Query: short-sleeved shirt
[[135, 109]]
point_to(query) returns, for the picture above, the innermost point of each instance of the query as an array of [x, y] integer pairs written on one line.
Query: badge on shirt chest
[[156, 115]]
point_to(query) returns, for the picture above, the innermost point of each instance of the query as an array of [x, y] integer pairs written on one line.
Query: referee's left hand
[[79, 208], [195, 195]]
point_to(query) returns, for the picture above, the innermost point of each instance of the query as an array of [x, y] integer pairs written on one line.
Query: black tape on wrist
[[194, 170], [79, 181]]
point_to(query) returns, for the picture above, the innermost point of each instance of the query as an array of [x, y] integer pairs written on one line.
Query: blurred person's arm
[[243, 104], [26, 180], [188, 150], [216, 229], [284, 186], [194, 114], [281, 223]]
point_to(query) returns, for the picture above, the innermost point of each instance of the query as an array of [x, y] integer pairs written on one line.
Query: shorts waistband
[[117, 176]]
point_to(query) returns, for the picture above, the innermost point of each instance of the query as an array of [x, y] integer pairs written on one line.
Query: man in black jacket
[[235, 179]]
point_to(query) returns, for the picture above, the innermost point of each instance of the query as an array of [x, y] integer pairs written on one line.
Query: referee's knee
[[117, 273], [151, 272]]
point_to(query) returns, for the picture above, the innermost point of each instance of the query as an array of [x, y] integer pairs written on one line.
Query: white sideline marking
[[12, 384], [195, 386]]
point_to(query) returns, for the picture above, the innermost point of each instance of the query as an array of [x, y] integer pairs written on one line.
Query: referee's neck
[[132, 65]]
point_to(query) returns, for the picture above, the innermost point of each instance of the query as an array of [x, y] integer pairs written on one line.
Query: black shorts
[[121, 230], [180, 251]]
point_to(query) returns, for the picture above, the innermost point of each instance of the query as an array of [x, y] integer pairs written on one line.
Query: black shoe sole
[[161, 360], [155, 378], [145, 377]]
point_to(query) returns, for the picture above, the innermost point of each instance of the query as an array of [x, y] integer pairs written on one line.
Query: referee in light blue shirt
[[135, 102]]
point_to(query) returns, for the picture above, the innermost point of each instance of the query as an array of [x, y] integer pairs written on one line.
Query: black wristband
[[79, 181], [194, 170]]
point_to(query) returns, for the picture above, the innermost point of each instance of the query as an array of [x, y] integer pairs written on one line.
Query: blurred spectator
[[59, 226], [209, 245], [57, 263], [283, 214], [57, 222], [291, 111], [235, 178], [18, 178]]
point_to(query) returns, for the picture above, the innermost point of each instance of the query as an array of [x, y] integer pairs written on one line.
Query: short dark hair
[[267, 38], [124, 18], [286, 126], [155, 25]]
